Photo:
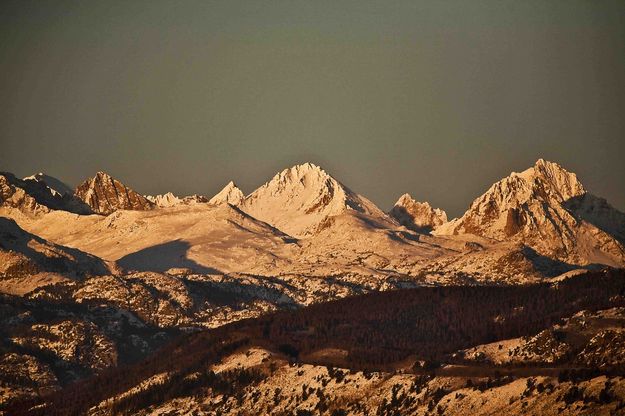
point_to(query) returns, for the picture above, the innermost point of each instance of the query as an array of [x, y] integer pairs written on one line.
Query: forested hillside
[[369, 332]]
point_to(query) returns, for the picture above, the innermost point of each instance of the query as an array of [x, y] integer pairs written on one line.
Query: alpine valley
[[305, 298]]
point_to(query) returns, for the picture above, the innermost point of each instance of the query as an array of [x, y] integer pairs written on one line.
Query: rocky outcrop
[[105, 195], [230, 194], [171, 200], [418, 216]]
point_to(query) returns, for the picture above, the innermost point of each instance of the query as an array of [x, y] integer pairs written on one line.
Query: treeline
[[382, 328], [184, 356], [376, 330], [227, 383]]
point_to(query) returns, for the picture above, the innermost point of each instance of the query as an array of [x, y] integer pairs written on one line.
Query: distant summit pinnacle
[[104, 195], [165, 200], [170, 200], [230, 194], [418, 216]]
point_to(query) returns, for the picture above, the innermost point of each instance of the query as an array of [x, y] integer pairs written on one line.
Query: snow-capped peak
[[545, 181], [299, 198], [303, 176], [230, 194], [539, 207], [554, 179], [416, 215]]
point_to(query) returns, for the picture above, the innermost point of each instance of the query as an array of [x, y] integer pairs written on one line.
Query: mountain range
[[132, 271], [544, 209]]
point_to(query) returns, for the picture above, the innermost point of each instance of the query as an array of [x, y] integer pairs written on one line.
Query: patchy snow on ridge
[[56, 186], [34, 196]]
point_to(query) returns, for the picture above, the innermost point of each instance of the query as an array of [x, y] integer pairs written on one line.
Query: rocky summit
[[538, 207], [230, 194], [419, 216], [104, 195]]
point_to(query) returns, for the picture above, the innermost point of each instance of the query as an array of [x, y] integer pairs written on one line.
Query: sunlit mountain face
[[235, 301], [312, 208]]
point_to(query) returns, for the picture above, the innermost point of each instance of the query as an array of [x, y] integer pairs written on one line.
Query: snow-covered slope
[[230, 194], [560, 228], [205, 238], [419, 216], [356, 242], [492, 262], [346, 237], [537, 207], [105, 194], [298, 199], [200, 237], [23, 254]]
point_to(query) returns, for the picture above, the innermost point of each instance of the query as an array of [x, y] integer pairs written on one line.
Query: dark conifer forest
[[376, 330]]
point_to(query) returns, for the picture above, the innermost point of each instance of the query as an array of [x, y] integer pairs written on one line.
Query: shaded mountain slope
[[24, 254], [35, 197]]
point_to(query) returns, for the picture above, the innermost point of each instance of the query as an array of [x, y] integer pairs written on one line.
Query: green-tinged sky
[[435, 98]]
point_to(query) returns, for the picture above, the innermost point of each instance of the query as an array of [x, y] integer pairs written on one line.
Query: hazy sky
[[437, 98]]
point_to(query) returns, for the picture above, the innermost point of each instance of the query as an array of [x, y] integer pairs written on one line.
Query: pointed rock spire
[[230, 194], [104, 195]]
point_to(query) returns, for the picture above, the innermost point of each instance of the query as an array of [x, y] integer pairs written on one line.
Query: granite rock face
[[547, 208], [105, 195], [418, 216]]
